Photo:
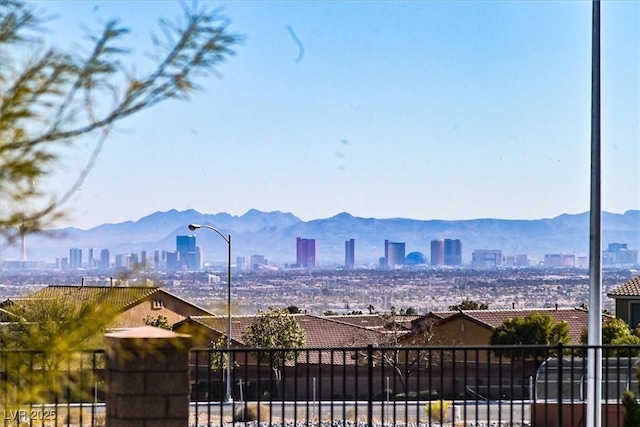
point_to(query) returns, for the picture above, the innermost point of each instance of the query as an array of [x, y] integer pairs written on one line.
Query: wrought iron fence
[[456, 386], [430, 386], [40, 388]]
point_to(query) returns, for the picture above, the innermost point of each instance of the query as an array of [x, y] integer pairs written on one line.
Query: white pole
[[594, 360], [314, 397], [387, 391]]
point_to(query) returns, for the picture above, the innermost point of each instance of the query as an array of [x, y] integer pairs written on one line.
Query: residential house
[[474, 327], [627, 301], [131, 304], [469, 332]]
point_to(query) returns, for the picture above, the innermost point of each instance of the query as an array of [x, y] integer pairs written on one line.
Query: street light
[[227, 239]]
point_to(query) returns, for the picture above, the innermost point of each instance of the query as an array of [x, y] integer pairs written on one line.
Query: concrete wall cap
[[146, 332]]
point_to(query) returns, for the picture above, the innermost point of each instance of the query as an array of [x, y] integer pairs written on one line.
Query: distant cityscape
[[373, 268], [445, 253]]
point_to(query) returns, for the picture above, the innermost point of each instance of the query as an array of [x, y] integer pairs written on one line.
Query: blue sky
[[424, 110]]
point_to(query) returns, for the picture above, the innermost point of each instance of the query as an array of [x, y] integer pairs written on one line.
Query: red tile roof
[[319, 331], [577, 319], [374, 321], [630, 288]]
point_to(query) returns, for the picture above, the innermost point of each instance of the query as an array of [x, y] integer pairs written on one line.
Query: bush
[[437, 410], [631, 407], [252, 412]]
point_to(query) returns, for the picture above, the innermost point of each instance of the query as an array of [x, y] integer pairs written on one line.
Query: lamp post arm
[[226, 239]]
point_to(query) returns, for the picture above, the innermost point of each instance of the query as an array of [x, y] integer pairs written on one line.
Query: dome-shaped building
[[415, 258]]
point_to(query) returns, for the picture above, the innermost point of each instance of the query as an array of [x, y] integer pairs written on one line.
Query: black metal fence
[[40, 388], [453, 386], [456, 386]]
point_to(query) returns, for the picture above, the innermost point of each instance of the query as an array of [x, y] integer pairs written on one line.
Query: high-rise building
[[239, 263], [395, 253], [188, 253], [305, 252], [75, 258], [350, 254], [619, 254], [105, 261], [452, 252], [90, 259], [486, 258], [437, 252], [121, 261], [172, 261], [559, 260], [257, 261], [132, 261]]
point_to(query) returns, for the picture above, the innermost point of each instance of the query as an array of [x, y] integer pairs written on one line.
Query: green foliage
[[55, 325], [535, 329], [411, 312], [616, 331], [52, 98], [159, 321], [292, 309], [437, 410], [218, 359], [55, 330], [468, 304], [275, 328], [631, 407]]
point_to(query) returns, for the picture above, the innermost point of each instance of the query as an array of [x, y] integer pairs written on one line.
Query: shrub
[[252, 412], [437, 409], [631, 407]]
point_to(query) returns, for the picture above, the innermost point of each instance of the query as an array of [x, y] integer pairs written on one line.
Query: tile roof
[[373, 321], [319, 331], [577, 319], [630, 288], [118, 297]]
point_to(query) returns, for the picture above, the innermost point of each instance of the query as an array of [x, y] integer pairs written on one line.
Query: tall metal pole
[[229, 399], [227, 239], [594, 355]]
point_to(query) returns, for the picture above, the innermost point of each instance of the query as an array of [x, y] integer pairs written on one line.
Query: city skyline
[[424, 110], [445, 253], [271, 234]]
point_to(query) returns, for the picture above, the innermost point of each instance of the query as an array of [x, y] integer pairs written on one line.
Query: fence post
[[560, 383], [147, 378], [370, 385]]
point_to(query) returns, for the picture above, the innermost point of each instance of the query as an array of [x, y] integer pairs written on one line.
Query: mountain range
[[273, 234]]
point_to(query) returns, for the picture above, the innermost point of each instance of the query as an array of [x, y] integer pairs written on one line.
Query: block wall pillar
[[147, 378]]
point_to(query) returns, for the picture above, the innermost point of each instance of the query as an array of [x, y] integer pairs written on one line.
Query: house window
[[157, 304]]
